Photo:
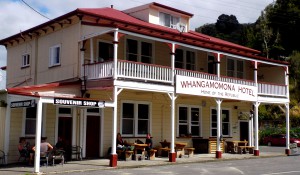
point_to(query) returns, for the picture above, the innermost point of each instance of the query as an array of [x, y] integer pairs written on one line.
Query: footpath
[[102, 164]]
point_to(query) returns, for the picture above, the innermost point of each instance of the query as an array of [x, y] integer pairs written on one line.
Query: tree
[[284, 18], [207, 29], [227, 24]]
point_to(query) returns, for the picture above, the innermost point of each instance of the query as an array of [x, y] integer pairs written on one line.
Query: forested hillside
[[276, 33]]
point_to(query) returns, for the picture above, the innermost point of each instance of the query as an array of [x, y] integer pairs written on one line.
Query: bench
[[128, 155], [190, 151], [242, 149], [164, 150], [152, 154]]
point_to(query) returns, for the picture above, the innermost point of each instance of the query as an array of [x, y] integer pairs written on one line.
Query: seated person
[[150, 144], [24, 149], [60, 144], [45, 147], [121, 144]]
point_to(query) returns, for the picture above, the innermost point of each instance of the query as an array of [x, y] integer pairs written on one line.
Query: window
[[211, 65], [235, 68], [185, 59], [54, 56], [25, 60], [135, 118], [225, 125], [106, 51], [168, 20], [30, 121], [139, 51], [189, 121]]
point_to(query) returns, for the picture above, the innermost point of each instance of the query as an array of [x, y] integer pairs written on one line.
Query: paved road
[[288, 165]]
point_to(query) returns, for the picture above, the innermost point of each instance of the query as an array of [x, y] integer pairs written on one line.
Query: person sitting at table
[[149, 145], [45, 147], [121, 146], [60, 144], [24, 149]]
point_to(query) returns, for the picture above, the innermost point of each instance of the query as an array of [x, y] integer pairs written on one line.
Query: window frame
[[135, 118], [235, 70], [139, 49], [25, 60], [189, 119], [185, 63], [25, 119], [229, 122], [170, 23], [212, 63], [98, 49], [54, 61]]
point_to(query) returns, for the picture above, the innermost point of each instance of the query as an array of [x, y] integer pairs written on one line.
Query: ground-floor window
[[189, 120], [225, 125], [135, 118], [30, 121]]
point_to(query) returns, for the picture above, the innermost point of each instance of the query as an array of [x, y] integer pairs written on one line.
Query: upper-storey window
[[139, 51], [25, 60], [185, 59], [168, 20], [105, 51], [211, 65], [54, 59], [235, 68]]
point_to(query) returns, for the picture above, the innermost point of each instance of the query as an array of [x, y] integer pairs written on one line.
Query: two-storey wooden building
[[94, 72]]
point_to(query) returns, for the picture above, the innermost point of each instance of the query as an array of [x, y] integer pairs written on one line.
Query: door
[[92, 136], [244, 130], [65, 132]]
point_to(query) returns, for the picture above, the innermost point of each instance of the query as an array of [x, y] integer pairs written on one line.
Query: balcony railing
[[157, 73]]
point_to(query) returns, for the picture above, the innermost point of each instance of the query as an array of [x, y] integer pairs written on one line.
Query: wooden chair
[[58, 155], [77, 151]]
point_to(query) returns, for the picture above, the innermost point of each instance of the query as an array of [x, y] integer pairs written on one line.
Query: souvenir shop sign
[[213, 88], [79, 102], [23, 104]]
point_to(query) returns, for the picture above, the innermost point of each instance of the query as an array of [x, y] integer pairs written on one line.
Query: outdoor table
[[179, 148], [139, 147], [232, 145]]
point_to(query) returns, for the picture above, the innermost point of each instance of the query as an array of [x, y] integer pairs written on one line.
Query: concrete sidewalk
[[101, 164]]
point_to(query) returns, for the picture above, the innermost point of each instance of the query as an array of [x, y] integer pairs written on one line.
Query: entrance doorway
[[65, 132], [92, 136], [244, 130]]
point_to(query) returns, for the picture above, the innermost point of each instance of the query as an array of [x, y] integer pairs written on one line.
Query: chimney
[[112, 6]]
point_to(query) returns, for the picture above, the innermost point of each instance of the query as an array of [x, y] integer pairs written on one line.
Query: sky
[[16, 16]]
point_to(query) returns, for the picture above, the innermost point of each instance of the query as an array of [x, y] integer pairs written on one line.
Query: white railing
[[157, 73], [271, 89], [99, 70], [195, 74], [147, 72]]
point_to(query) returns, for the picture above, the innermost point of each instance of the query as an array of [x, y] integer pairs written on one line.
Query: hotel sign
[[78, 102], [213, 88], [22, 104]]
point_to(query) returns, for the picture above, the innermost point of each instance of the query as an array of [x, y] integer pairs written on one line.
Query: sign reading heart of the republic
[[213, 88]]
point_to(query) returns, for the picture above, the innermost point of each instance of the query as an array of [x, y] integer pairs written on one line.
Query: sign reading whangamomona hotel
[[213, 88]]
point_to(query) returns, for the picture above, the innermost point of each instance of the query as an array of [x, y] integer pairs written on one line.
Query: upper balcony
[[150, 73]]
